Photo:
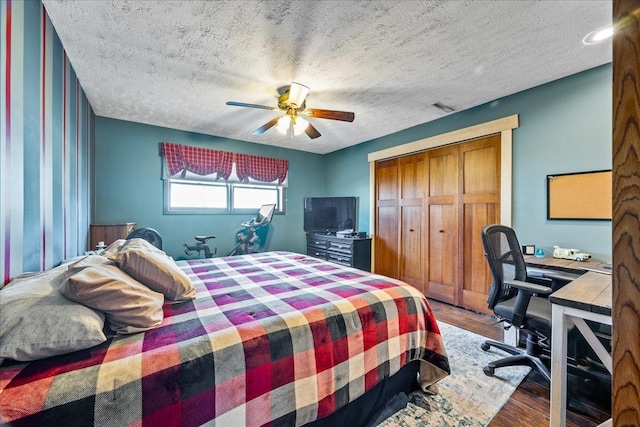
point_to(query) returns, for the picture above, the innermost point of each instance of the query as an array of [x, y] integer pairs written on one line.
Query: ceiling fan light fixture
[[292, 126], [292, 102], [297, 94]]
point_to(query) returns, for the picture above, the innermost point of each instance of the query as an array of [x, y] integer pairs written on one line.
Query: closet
[[429, 210]]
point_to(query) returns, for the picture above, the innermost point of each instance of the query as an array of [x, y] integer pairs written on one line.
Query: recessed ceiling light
[[599, 35]]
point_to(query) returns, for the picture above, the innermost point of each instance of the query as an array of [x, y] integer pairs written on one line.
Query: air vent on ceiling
[[444, 108]]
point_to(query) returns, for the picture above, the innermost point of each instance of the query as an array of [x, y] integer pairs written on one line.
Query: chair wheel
[[485, 346], [488, 371]]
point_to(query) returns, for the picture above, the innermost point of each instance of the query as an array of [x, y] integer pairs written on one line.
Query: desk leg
[[558, 410], [593, 341]]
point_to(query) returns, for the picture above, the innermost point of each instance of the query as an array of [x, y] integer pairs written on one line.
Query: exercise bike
[[249, 237], [201, 246]]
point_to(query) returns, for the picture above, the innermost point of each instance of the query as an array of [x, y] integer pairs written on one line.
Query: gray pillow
[[36, 321]]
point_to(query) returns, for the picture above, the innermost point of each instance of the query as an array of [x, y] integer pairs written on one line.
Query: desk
[[561, 264], [588, 297]]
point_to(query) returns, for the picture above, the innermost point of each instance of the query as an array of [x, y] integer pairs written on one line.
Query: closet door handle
[[441, 231], [412, 230]]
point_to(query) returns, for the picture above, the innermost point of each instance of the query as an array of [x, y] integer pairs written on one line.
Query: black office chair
[[516, 301], [521, 301]]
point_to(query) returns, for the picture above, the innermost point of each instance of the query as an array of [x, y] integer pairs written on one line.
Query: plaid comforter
[[273, 338]]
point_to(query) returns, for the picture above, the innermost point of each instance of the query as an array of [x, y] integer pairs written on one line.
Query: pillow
[[113, 248], [154, 268], [36, 321], [71, 260], [130, 306], [88, 261], [139, 243]]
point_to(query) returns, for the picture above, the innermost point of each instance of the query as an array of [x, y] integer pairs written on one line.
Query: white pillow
[[113, 248], [129, 305], [36, 321]]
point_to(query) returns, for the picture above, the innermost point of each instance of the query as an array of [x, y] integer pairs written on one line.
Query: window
[[189, 197], [196, 196], [200, 180], [250, 197]]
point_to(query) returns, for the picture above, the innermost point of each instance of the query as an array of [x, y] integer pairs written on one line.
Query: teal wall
[[46, 145], [565, 126], [128, 187]]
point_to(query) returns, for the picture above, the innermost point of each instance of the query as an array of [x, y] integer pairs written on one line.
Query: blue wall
[[565, 126], [129, 189], [46, 145]]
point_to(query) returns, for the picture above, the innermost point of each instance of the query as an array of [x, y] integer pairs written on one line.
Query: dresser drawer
[[339, 258], [316, 253], [340, 246], [317, 241]]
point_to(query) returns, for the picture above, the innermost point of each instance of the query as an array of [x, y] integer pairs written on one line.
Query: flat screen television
[[329, 214]]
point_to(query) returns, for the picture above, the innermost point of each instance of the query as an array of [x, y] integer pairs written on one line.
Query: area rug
[[467, 397]]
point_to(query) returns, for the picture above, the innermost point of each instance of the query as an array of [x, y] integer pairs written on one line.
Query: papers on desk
[[605, 269]]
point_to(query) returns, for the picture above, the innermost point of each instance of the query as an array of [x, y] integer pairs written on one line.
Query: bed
[[274, 338]]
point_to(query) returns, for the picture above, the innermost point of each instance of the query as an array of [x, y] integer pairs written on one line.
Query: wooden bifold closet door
[[430, 208]]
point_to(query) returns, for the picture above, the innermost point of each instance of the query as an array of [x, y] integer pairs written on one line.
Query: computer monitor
[[266, 213]]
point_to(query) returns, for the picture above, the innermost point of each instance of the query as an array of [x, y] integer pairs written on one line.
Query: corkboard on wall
[[584, 195]]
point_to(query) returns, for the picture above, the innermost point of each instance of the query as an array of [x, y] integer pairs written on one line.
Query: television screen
[[329, 214]]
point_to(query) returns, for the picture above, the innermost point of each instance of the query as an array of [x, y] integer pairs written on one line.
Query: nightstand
[[109, 233]]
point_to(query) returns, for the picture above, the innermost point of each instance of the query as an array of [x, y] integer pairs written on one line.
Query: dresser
[[109, 233], [346, 251]]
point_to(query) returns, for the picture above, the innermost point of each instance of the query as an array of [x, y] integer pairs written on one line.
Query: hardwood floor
[[529, 404]]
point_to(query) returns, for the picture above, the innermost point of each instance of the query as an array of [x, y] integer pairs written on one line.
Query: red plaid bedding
[[274, 338]]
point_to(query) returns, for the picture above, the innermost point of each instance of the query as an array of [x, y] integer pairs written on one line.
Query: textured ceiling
[[176, 63]]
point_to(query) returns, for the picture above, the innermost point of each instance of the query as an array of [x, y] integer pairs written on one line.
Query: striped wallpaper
[[46, 145]]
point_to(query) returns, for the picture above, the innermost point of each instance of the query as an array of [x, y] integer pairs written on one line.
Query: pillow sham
[[88, 261], [129, 306], [139, 243], [113, 248], [36, 321], [154, 268]]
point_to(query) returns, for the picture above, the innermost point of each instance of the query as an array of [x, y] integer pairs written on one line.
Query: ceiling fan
[[292, 102]]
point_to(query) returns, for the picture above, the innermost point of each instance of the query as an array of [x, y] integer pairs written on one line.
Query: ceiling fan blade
[[242, 104], [344, 116], [312, 131], [265, 127]]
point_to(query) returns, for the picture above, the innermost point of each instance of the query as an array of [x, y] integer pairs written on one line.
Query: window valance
[[207, 162]]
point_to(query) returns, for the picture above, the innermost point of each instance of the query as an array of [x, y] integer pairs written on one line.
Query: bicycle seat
[[203, 239]]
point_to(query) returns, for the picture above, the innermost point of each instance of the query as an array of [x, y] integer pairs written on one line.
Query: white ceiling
[[176, 63]]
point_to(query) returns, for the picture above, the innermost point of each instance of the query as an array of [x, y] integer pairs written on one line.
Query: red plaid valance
[[265, 169], [206, 161]]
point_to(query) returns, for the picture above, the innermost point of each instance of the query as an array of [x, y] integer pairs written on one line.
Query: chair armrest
[[525, 291], [531, 288]]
